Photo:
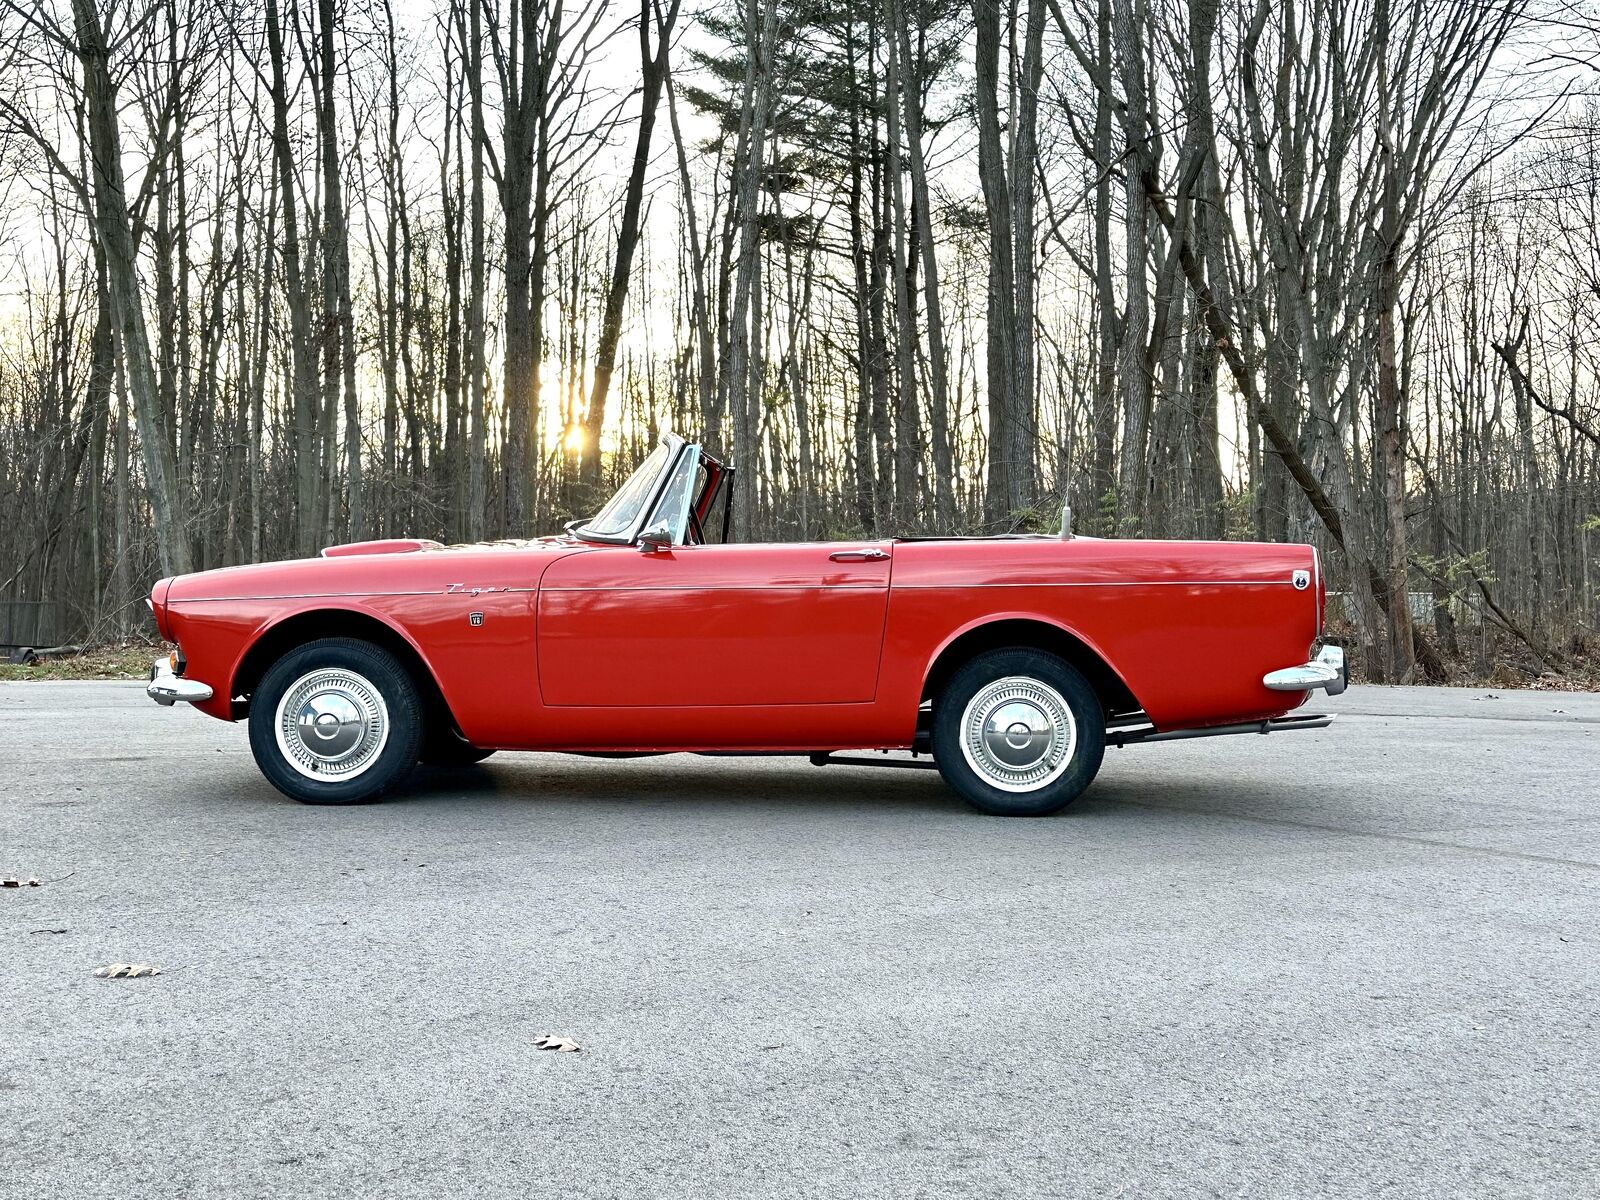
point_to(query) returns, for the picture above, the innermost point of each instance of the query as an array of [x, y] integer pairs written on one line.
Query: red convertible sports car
[[1012, 660]]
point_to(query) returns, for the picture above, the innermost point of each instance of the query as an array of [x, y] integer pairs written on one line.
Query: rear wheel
[[336, 721], [1018, 733]]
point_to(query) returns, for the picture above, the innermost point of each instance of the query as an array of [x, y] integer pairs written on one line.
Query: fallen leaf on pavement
[[549, 1041], [126, 971]]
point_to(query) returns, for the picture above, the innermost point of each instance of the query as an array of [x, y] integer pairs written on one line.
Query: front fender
[[229, 643]]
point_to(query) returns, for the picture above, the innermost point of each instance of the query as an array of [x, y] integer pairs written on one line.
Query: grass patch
[[130, 661]]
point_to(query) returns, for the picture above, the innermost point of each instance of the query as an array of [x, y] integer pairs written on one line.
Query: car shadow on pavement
[[692, 782], [677, 780]]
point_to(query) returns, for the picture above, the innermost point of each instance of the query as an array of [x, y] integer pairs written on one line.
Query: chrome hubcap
[[332, 724], [1018, 734]]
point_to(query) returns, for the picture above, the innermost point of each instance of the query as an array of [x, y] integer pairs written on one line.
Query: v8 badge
[[476, 619], [1301, 580]]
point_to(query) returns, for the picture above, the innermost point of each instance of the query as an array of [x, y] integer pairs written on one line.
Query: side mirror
[[657, 537]]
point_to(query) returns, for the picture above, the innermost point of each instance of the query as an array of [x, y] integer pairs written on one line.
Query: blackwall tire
[[336, 721], [1018, 733]]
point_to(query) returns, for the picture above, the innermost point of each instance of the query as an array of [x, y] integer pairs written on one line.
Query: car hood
[[415, 545], [391, 566]]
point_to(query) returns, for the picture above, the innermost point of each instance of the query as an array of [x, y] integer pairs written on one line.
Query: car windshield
[[622, 510]]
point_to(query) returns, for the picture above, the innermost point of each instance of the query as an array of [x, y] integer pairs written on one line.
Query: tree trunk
[[477, 494], [525, 90], [761, 26], [1002, 332], [115, 230], [704, 334], [1390, 416], [341, 342], [1023, 166], [653, 72], [944, 504], [1132, 370], [304, 386], [906, 499], [1102, 471]]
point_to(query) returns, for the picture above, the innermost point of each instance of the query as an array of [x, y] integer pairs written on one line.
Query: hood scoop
[[387, 546]]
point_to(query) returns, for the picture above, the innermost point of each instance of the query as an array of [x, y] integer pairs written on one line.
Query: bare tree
[[653, 74]]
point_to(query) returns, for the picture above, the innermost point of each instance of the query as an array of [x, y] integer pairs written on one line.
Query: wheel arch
[[1031, 633], [310, 625]]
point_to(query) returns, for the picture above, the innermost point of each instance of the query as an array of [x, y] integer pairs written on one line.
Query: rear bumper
[[167, 689], [1327, 672]]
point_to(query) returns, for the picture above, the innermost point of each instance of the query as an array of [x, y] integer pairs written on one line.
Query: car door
[[714, 625]]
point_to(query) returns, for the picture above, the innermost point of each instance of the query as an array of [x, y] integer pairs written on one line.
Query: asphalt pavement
[[1363, 961]]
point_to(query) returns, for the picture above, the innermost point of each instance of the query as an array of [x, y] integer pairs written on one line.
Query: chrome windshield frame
[[687, 461], [628, 537]]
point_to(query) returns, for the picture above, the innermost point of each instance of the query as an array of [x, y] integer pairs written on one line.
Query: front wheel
[[1018, 733], [336, 721]]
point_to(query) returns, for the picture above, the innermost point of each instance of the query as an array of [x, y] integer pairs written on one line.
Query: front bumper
[[167, 689], [1327, 672]]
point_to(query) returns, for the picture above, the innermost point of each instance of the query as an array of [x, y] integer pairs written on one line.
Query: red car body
[[558, 644], [1013, 660]]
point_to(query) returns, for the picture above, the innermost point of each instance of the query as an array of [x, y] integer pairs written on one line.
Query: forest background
[[276, 274]]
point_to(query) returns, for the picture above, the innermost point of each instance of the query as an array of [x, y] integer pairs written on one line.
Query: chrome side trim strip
[[300, 596], [336, 595], [866, 585], [652, 587], [1045, 583]]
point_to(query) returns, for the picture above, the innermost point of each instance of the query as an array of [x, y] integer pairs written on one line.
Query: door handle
[[869, 555]]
